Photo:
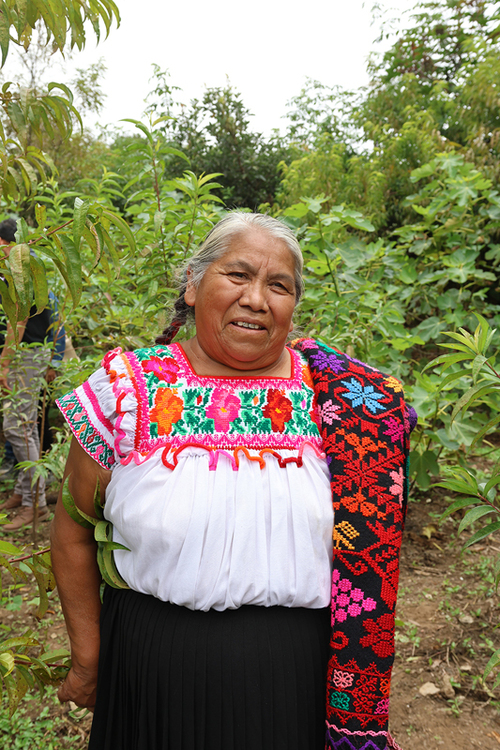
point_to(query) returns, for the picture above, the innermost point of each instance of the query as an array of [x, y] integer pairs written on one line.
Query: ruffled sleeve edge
[[81, 425]]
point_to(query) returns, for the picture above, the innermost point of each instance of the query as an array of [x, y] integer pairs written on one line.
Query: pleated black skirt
[[246, 679]]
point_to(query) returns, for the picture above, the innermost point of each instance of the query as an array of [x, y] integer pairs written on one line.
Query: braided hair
[[181, 314], [215, 245]]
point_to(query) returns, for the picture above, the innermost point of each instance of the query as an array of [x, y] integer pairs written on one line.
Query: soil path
[[450, 610]]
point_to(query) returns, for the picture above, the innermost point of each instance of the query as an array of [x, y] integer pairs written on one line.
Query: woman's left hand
[[79, 687]]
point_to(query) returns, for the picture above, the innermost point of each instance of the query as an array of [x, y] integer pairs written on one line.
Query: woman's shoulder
[[156, 351], [321, 356]]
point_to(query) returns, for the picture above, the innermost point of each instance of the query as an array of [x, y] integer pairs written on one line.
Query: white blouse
[[210, 520]]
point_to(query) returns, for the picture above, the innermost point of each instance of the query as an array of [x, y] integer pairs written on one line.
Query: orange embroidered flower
[[394, 383], [306, 376], [167, 410], [278, 409]]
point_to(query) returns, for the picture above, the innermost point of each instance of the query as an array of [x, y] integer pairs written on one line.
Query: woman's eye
[[237, 274]]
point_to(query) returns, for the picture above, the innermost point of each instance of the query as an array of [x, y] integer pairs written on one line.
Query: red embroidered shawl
[[365, 426]]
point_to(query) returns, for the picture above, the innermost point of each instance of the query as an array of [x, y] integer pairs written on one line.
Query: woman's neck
[[205, 366]]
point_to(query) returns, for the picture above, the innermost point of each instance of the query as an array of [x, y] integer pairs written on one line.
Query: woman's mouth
[[251, 326]]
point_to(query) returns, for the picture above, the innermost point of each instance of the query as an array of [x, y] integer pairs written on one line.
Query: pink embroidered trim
[[139, 458], [97, 409], [391, 743], [369, 732], [120, 391], [109, 356], [136, 374], [248, 382], [216, 452]]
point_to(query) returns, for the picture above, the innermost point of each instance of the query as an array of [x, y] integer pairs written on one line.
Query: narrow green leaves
[[17, 21]]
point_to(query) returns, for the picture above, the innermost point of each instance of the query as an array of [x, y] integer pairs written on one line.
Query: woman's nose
[[254, 296]]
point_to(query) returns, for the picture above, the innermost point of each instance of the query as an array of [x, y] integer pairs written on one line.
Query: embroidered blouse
[[219, 489]]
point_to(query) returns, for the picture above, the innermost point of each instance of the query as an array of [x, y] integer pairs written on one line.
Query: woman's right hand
[[80, 687]]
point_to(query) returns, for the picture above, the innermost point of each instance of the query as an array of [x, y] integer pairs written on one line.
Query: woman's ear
[[190, 293]]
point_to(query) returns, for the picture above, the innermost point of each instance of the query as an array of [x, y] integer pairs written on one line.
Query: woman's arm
[[74, 562]]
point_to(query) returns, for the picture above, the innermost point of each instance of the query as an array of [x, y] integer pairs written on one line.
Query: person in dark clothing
[[21, 378]]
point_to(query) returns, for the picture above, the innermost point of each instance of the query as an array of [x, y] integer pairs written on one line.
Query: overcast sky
[[267, 48]]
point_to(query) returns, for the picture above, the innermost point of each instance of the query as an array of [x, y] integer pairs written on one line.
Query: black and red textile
[[365, 426]]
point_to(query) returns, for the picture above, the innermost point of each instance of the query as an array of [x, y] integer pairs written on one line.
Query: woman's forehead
[[255, 246]]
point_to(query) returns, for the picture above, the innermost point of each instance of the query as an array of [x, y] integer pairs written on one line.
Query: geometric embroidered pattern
[[365, 426], [347, 601]]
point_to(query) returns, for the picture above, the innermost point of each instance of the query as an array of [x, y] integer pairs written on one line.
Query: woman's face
[[245, 301]]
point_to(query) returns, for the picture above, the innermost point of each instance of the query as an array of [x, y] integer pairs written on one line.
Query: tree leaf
[[73, 266], [19, 265], [80, 211], [482, 534], [474, 514], [40, 284]]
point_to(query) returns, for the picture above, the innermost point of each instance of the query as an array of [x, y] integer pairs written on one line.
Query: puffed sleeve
[[102, 412]]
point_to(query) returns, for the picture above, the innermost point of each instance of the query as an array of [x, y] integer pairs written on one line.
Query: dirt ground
[[447, 611], [447, 614]]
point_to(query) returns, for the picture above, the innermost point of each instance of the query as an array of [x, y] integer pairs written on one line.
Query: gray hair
[[216, 244], [218, 240]]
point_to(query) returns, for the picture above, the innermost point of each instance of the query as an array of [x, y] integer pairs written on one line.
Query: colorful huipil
[[359, 420], [178, 409]]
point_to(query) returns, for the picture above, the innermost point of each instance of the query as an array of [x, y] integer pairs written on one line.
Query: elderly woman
[[222, 460]]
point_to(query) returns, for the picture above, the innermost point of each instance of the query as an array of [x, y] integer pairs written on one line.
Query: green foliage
[[50, 730], [214, 135], [481, 388], [18, 20], [24, 663], [103, 532]]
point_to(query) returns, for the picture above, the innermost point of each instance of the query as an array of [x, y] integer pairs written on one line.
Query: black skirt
[[246, 679]]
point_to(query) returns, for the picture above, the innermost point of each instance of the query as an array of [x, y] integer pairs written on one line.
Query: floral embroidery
[[162, 404], [340, 700], [363, 395], [342, 679], [395, 429], [392, 382], [322, 360], [382, 706], [327, 412], [278, 409], [306, 376], [164, 369], [397, 487], [224, 407], [167, 410], [385, 685], [380, 635]]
